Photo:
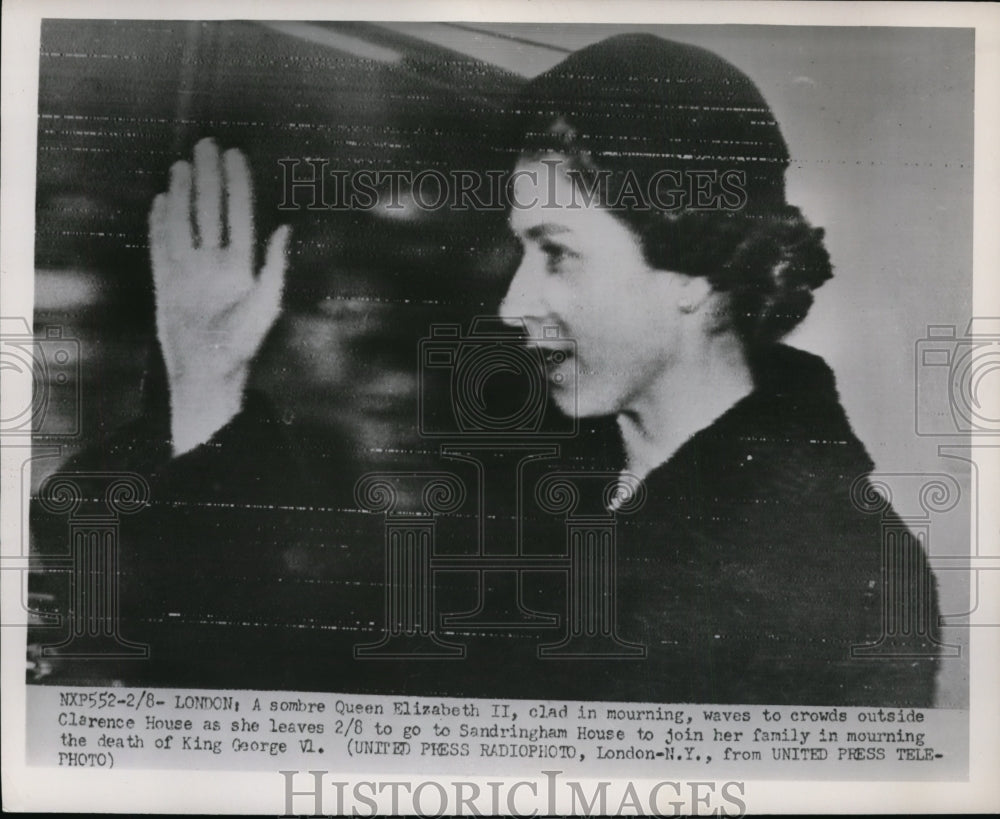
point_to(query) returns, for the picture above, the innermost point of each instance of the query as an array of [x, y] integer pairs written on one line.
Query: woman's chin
[[582, 404]]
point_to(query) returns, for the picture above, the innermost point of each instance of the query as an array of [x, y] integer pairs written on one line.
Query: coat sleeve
[[169, 543]]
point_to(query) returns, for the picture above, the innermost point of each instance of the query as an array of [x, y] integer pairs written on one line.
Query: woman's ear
[[693, 293]]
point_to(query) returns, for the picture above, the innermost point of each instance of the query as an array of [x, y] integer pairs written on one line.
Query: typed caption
[[247, 730]]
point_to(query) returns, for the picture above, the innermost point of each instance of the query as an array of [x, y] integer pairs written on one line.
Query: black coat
[[760, 569], [749, 575]]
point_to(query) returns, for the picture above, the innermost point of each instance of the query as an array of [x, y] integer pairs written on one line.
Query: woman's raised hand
[[212, 308]]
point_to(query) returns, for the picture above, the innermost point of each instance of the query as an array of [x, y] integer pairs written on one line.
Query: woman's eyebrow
[[545, 230]]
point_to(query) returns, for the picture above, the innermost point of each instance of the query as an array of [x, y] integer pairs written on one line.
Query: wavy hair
[[630, 106]]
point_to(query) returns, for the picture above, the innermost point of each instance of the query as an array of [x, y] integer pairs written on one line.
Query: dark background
[[120, 101]]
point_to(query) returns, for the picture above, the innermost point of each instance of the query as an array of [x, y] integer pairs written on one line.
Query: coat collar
[[791, 429]]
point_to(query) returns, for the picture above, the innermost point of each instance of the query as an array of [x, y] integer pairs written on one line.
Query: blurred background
[[119, 102], [879, 123]]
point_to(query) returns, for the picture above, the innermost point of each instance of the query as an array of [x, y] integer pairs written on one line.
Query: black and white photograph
[[619, 397]]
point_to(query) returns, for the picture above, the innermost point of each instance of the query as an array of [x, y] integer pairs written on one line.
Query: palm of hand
[[212, 312]]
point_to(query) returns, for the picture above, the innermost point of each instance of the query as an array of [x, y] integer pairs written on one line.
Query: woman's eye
[[555, 254]]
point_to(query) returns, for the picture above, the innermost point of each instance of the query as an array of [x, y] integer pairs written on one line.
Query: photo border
[[27, 788]]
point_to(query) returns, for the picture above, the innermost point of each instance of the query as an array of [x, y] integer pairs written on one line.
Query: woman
[[751, 574], [648, 197]]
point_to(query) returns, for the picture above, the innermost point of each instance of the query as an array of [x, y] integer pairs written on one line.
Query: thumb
[[158, 253], [272, 276], [263, 303]]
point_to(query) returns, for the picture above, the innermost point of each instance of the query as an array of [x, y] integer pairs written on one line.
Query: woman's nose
[[522, 301]]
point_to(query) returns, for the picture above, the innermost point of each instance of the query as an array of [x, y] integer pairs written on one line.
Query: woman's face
[[583, 273]]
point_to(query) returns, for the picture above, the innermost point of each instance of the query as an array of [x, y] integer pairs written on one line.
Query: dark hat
[[642, 103]]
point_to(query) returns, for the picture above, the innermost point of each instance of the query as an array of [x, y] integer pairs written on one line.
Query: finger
[[158, 250], [240, 209], [208, 193], [180, 240]]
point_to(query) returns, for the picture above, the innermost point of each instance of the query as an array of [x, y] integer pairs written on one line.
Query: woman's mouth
[[558, 360]]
